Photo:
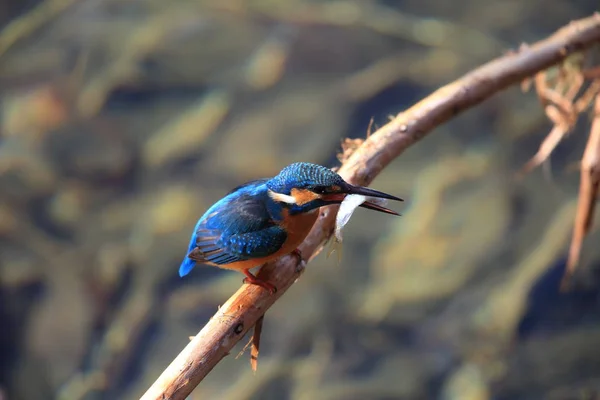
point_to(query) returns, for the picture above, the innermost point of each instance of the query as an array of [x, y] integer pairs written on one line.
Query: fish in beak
[[374, 194], [351, 197], [371, 195]]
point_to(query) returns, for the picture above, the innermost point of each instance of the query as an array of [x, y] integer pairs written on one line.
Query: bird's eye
[[320, 189]]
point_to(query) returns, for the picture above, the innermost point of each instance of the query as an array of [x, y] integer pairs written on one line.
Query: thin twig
[[560, 105], [547, 147], [250, 302], [588, 190], [255, 348]]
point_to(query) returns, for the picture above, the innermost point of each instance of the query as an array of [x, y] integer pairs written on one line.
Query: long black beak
[[365, 191]]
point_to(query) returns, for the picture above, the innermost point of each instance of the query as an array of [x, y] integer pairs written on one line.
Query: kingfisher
[[265, 219]]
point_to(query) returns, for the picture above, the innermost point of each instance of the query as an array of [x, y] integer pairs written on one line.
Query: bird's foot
[[301, 263], [252, 280]]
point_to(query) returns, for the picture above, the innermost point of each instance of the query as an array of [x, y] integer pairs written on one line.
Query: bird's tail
[[188, 264]]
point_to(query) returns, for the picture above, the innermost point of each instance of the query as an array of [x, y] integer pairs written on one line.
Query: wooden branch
[[249, 303]]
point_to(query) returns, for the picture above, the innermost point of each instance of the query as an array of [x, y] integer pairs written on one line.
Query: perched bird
[[265, 219]]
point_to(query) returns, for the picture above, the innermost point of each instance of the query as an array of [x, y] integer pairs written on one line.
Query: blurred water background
[[123, 120]]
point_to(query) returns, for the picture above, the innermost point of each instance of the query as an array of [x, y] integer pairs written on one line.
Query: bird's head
[[303, 187]]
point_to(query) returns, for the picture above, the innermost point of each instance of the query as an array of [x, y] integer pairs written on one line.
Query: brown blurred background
[[123, 120]]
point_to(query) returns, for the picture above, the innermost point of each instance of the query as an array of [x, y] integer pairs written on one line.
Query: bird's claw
[[252, 280]]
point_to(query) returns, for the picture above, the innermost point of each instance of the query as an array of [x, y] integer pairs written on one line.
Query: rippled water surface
[[122, 121]]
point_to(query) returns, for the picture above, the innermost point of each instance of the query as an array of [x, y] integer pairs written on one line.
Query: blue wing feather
[[238, 227]]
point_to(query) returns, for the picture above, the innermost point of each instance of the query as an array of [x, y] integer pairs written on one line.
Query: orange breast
[[297, 228]]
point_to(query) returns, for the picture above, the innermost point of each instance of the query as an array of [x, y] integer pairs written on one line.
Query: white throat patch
[[283, 198]]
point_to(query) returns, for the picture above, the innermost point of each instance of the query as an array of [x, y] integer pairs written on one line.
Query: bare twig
[[249, 303], [588, 190], [548, 145], [559, 97], [254, 344], [560, 105], [255, 349]]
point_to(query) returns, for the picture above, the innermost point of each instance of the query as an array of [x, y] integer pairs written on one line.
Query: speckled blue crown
[[303, 175]]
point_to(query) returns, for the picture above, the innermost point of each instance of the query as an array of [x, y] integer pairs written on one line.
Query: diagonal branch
[[249, 303]]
